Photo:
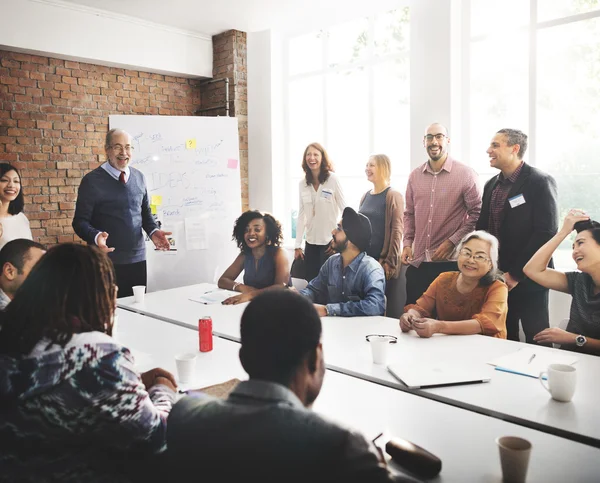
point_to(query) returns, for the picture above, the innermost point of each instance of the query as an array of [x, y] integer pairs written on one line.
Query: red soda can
[[205, 337]]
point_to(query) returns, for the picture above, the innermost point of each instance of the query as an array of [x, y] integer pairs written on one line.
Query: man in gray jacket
[[264, 431]]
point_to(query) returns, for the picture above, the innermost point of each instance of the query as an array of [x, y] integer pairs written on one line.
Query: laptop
[[416, 376]]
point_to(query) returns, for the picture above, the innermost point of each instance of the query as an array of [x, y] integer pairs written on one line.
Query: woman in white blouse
[[13, 223], [321, 204]]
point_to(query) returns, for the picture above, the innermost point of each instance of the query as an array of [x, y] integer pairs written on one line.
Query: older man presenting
[[112, 210]]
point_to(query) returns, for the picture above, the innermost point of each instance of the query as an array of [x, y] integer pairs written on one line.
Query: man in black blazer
[[264, 431], [520, 209]]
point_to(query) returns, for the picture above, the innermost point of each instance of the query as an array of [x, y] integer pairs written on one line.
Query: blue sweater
[[104, 204]]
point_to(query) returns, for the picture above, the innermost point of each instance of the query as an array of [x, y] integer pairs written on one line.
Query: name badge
[[327, 195], [517, 201]]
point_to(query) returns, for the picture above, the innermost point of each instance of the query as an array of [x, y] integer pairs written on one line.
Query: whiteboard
[[192, 171]]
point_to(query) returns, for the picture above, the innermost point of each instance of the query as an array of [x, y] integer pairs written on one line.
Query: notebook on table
[[416, 376]]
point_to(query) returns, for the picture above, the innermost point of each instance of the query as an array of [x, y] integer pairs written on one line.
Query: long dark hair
[[15, 206], [326, 165], [273, 228], [70, 290]]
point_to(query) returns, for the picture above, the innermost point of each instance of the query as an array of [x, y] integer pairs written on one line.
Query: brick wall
[[53, 120], [229, 61]]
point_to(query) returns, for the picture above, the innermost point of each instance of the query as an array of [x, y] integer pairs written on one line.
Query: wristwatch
[[326, 311], [580, 340]]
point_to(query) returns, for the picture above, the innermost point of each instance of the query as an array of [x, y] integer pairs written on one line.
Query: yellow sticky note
[[153, 209], [156, 200], [190, 144]]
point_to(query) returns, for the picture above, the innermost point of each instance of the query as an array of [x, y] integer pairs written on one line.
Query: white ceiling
[[215, 16]]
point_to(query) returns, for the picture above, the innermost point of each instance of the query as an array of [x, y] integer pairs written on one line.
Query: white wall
[[266, 169], [68, 31]]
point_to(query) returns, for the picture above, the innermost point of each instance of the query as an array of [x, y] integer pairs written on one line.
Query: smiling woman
[[13, 222], [263, 261], [583, 329], [471, 301]]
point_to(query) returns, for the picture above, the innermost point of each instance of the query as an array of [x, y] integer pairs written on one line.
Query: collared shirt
[[4, 299], [319, 211], [440, 206], [114, 172], [357, 290], [498, 199]]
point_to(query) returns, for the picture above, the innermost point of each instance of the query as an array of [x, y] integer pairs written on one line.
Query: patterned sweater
[[78, 413]]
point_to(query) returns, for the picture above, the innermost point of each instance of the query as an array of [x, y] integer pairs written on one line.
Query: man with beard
[[112, 201], [350, 283], [265, 431], [443, 202], [520, 209]]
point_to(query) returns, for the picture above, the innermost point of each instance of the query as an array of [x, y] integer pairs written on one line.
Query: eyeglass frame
[[436, 136], [121, 148], [470, 255], [392, 338]]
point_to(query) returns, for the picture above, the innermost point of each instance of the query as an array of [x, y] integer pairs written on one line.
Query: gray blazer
[[262, 432]]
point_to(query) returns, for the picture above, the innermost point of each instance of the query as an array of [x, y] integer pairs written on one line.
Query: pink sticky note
[[232, 163]]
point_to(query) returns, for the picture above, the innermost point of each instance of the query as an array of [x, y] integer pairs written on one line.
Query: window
[[536, 67], [348, 89]]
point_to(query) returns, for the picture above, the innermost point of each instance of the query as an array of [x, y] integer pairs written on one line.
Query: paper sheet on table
[[214, 297], [519, 361], [196, 234], [222, 390]]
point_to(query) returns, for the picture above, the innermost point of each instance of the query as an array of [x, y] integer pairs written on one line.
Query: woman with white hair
[[470, 301]]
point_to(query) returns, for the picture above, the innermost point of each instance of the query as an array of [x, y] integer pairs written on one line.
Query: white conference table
[[464, 440], [511, 397]]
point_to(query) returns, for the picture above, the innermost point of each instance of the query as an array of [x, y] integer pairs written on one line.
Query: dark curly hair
[[15, 206], [70, 290], [326, 165], [274, 232]]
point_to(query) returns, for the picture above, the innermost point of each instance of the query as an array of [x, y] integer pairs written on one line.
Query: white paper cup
[[514, 458], [379, 348], [562, 380], [138, 293], [186, 367]]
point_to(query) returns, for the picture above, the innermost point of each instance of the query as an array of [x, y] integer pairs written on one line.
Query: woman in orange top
[[471, 301]]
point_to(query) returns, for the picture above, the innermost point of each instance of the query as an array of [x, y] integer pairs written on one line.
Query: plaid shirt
[[498, 200], [440, 206]]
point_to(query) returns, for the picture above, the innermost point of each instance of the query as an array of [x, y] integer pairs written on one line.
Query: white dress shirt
[[319, 211]]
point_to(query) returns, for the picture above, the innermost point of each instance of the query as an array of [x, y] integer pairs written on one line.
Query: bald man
[[443, 203], [112, 210]]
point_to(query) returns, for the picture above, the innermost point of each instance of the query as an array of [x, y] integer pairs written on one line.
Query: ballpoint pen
[[531, 358]]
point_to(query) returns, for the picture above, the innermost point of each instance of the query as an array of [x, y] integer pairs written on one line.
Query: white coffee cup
[[514, 458], [186, 367], [562, 380], [138, 293], [379, 347]]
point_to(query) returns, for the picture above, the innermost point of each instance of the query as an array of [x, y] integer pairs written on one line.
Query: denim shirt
[[356, 290]]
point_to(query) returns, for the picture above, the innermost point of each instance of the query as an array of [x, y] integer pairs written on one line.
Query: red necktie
[[122, 177]]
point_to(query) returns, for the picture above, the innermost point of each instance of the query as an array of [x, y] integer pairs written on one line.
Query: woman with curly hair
[[263, 261], [320, 206]]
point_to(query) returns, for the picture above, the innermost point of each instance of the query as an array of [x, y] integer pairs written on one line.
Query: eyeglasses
[[478, 258], [121, 148], [339, 227], [392, 339], [438, 137]]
